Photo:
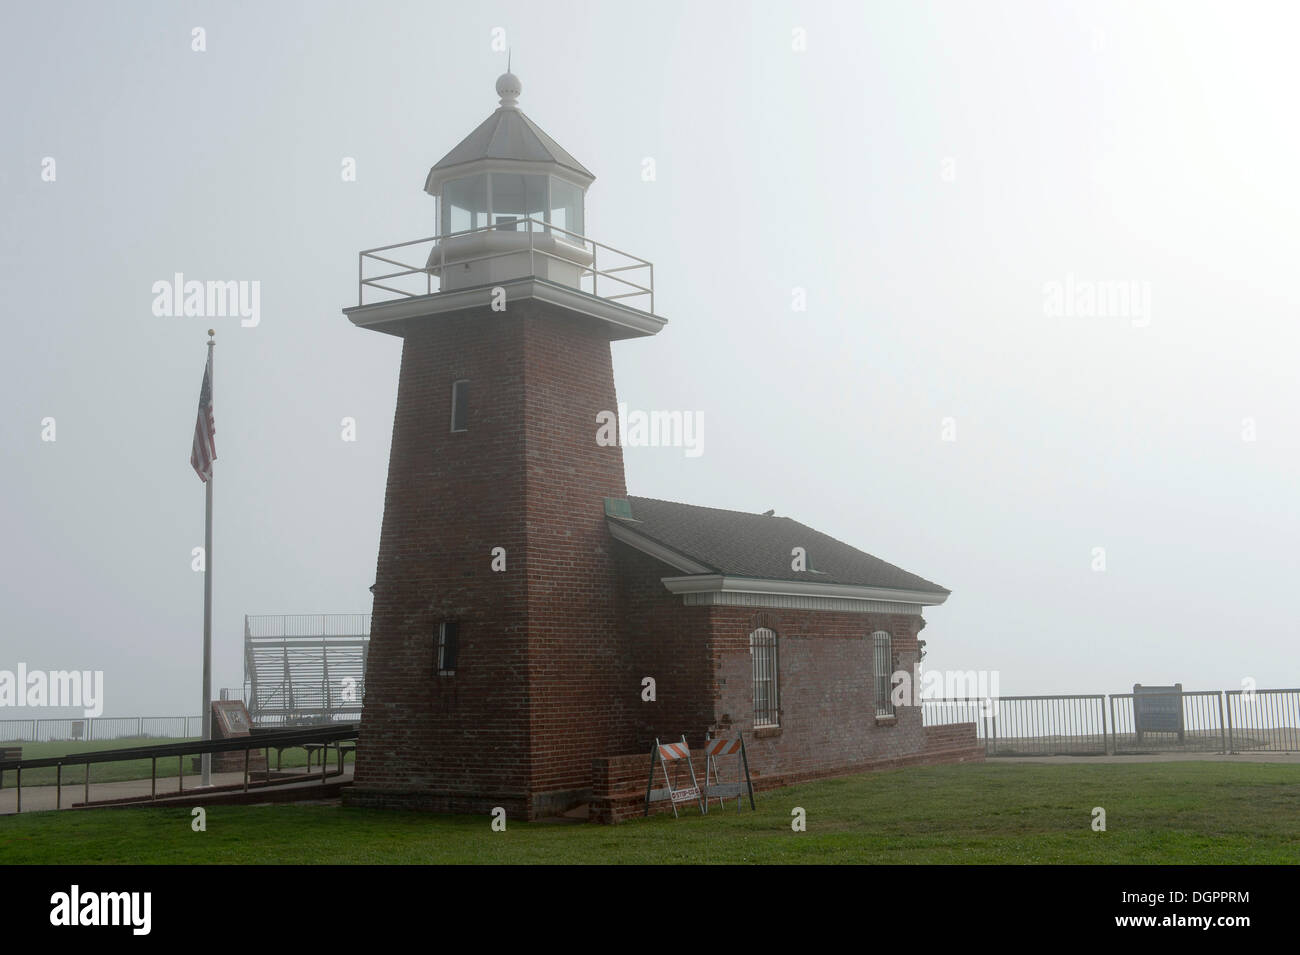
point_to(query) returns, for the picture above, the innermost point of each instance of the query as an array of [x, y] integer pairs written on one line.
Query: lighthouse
[[496, 669], [536, 630]]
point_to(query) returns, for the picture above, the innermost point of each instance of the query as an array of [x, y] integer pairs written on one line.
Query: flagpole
[[206, 758]]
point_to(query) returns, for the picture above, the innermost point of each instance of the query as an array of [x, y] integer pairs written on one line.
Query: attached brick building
[[521, 597]]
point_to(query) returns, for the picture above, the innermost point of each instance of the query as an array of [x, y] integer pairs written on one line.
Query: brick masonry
[[619, 782], [553, 650], [535, 692]]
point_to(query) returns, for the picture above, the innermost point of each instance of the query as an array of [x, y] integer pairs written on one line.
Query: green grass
[[1192, 812], [119, 771]]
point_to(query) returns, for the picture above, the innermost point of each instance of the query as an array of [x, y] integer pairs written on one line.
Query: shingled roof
[[739, 544], [508, 134]]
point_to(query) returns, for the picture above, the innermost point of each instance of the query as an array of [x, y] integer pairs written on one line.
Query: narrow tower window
[[448, 647], [460, 406]]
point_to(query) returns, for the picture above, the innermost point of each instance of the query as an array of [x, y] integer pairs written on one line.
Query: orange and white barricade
[[673, 753], [713, 784]]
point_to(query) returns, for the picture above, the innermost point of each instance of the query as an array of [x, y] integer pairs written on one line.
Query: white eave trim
[[720, 583], [440, 175], [379, 314], [621, 532]]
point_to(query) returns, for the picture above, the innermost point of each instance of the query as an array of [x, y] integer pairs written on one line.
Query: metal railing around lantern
[[612, 275]]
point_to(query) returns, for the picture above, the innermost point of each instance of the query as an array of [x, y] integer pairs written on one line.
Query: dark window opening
[[460, 406], [448, 648]]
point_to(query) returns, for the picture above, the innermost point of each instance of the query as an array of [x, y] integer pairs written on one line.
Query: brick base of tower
[[541, 683]]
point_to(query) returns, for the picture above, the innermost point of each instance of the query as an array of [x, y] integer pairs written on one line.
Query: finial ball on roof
[[509, 88]]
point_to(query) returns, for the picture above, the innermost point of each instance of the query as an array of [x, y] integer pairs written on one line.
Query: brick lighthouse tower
[[494, 672]]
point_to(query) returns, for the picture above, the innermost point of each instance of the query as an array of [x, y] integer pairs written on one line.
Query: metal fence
[[1204, 721], [100, 728], [1263, 721]]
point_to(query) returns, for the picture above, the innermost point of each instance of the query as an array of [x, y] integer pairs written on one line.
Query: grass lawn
[[1159, 813], [116, 772]]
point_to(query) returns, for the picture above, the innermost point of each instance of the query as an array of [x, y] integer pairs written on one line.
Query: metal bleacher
[[304, 669]]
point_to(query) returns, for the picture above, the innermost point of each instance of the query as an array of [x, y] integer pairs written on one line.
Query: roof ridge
[[706, 507]]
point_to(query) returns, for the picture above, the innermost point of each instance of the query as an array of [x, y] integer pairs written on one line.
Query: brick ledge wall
[[618, 783]]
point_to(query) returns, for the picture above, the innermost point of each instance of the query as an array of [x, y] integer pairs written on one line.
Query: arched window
[[762, 646], [884, 659]]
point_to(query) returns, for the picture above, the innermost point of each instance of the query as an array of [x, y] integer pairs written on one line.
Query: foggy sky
[[927, 174]]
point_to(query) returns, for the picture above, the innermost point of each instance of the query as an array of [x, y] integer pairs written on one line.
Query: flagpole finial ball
[[211, 333]]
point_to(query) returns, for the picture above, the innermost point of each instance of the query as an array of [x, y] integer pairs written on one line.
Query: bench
[[342, 748]]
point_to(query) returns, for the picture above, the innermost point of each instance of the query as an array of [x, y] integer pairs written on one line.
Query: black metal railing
[[1155, 720], [322, 736]]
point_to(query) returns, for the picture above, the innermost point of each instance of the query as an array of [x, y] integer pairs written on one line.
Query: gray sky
[[924, 172]]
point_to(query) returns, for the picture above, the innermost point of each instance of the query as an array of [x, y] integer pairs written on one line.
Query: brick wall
[[578, 668], [668, 642], [826, 688], [953, 743], [619, 782], [425, 739], [539, 686]]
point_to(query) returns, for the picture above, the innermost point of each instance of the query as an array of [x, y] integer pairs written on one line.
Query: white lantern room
[[510, 204]]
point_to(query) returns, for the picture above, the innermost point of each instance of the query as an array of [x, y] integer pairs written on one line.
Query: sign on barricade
[[673, 753], [713, 784]]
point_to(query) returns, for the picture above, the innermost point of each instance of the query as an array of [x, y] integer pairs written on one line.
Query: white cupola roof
[[507, 136]]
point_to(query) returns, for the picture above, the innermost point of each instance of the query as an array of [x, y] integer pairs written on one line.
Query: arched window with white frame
[[884, 671], [763, 648]]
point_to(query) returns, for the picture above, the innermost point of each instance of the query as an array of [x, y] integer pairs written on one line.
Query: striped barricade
[[673, 753], [714, 787]]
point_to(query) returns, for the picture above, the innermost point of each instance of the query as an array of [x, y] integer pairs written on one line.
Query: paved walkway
[[37, 798]]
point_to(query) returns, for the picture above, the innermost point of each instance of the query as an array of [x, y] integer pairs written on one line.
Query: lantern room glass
[[464, 204], [566, 208], [504, 200], [516, 197]]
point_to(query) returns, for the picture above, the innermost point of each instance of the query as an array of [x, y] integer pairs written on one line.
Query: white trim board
[[624, 321], [620, 532], [722, 584]]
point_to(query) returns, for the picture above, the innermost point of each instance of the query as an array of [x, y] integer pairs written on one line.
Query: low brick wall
[[952, 743], [618, 783]]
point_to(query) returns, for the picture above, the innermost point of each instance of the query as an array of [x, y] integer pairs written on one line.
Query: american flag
[[205, 429]]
